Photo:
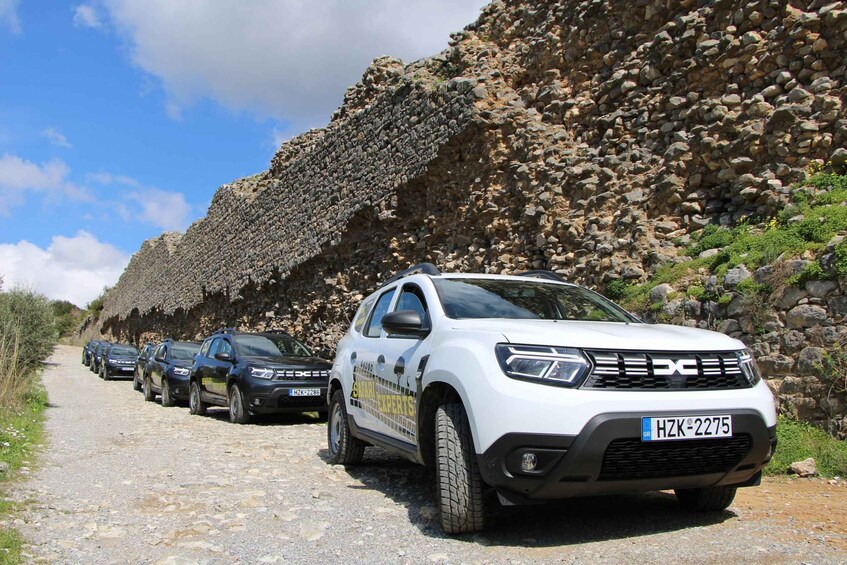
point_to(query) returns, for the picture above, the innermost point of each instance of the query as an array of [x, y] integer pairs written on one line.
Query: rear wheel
[[196, 405], [344, 449], [147, 389], [459, 484], [167, 399], [707, 499], [238, 413]]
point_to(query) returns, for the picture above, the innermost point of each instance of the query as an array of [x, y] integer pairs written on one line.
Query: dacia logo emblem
[[675, 368]]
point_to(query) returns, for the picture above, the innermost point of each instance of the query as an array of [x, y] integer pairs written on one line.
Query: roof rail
[[422, 268], [539, 274], [229, 331], [283, 332]]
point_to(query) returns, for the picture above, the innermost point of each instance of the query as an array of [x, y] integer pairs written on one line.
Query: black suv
[[168, 370], [117, 360], [86, 351], [141, 364], [97, 355], [257, 373]]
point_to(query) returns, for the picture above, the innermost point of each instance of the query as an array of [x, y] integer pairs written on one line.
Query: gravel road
[[127, 481]]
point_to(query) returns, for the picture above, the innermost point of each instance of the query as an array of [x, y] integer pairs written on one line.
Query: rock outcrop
[[583, 136]]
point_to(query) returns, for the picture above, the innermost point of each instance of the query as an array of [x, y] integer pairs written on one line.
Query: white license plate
[[304, 392], [685, 427]]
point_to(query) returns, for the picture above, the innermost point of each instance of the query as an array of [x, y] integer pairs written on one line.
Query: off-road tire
[[238, 413], [167, 399], [458, 482], [196, 406], [707, 499], [344, 449], [147, 389]]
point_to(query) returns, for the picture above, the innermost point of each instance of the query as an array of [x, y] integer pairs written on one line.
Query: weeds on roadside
[[798, 440]]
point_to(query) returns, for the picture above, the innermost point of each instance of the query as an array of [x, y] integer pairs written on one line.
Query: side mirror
[[159, 358], [222, 356], [404, 323]]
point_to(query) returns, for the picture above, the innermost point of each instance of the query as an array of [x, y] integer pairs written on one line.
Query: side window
[[412, 298], [381, 308], [161, 351], [215, 347], [225, 347], [362, 315], [204, 351]]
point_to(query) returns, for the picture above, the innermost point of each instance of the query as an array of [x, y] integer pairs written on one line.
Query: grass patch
[[797, 441], [21, 434]]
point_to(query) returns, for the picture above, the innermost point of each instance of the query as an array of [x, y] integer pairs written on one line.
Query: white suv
[[542, 389]]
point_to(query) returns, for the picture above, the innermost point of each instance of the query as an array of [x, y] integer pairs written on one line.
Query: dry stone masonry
[[587, 137]]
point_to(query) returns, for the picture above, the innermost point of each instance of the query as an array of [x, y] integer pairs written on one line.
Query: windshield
[[123, 350], [184, 351], [270, 346], [516, 299]]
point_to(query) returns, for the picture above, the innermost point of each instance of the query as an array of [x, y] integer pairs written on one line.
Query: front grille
[[665, 370], [301, 374], [632, 459]]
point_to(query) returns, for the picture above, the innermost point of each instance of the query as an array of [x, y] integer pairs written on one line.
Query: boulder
[[805, 468], [805, 316]]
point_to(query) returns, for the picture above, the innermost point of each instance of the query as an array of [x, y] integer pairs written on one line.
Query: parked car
[[86, 351], [167, 371], [97, 355], [117, 360], [540, 389], [141, 364], [257, 373]]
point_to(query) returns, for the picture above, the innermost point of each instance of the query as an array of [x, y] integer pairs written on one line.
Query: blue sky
[[120, 118]]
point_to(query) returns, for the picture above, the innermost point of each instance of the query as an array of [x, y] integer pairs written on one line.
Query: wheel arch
[[434, 395]]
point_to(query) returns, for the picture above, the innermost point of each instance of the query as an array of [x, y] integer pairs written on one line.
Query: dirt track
[[126, 481]]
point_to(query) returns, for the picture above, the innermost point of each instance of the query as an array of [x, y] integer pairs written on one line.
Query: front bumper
[[609, 457], [179, 385], [127, 371], [274, 397]]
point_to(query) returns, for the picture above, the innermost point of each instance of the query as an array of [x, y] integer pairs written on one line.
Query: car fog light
[[528, 462], [257, 401]]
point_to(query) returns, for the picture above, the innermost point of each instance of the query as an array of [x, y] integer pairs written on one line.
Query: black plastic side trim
[[393, 445]]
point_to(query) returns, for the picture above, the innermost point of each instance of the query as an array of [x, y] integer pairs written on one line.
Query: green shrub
[[695, 291], [711, 237], [798, 440], [615, 289], [841, 259], [749, 286], [28, 325], [724, 299]]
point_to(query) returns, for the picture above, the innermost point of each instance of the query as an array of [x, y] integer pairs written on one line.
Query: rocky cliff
[[593, 138]]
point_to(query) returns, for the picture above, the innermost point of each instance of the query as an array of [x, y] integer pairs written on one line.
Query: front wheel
[[136, 384], [238, 413], [196, 406], [707, 499], [167, 399], [459, 484], [344, 449], [147, 389]]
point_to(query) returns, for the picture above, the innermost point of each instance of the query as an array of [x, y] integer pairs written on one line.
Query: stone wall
[[586, 137]]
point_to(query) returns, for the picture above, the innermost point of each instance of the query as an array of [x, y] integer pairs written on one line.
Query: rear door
[[156, 366]]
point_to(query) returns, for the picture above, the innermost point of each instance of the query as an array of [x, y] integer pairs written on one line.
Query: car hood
[[603, 335], [187, 363], [285, 362]]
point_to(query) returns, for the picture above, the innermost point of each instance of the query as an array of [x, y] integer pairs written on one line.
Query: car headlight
[[112, 360], [181, 371], [748, 366], [560, 366], [261, 373]]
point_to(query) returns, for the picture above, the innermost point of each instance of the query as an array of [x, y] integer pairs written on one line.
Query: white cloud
[[9, 15], [18, 176], [164, 209], [56, 137], [167, 210], [282, 58], [85, 15], [71, 268]]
